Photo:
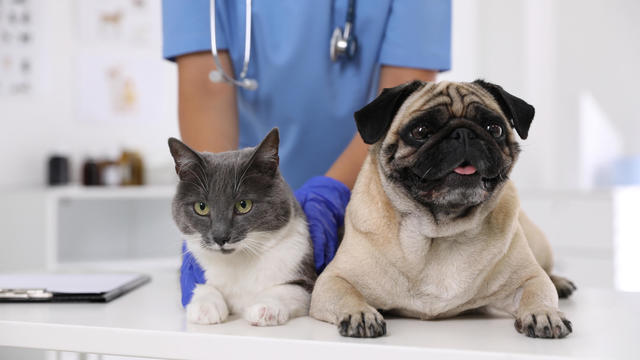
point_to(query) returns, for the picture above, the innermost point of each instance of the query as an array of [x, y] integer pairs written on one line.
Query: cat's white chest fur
[[254, 283]]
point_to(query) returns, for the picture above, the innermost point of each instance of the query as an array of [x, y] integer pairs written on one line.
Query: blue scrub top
[[300, 90]]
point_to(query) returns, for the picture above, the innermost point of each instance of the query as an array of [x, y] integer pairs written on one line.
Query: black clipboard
[[68, 287]]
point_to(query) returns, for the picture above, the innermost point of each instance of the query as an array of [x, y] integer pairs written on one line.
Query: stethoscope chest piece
[[342, 45]]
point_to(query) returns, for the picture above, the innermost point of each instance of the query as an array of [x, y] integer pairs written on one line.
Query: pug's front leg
[[537, 313], [336, 301]]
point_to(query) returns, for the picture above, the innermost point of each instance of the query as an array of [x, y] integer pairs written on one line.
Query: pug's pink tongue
[[465, 170]]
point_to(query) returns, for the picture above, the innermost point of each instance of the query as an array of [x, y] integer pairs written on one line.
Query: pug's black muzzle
[[460, 146]]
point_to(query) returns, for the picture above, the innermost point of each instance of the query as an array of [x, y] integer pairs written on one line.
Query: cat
[[247, 231]]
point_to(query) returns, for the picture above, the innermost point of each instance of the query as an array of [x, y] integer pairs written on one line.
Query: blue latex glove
[[323, 200], [190, 274]]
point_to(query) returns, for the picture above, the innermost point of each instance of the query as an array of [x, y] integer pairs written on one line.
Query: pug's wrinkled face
[[450, 146], [451, 160]]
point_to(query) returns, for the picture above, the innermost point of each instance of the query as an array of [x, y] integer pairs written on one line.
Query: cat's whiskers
[[185, 164], [253, 247], [194, 184], [201, 185], [206, 177], [244, 172], [249, 250], [235, 176]]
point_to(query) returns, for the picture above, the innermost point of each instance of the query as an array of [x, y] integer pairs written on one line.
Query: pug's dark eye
[[495, 130], [420, 133]]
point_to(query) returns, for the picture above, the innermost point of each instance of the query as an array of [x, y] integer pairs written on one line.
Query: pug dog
[[434, 226]]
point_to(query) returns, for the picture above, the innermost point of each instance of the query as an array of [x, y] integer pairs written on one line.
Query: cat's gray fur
[[259, 264]]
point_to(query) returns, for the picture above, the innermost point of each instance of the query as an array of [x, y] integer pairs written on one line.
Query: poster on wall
[[118, 61], [124, 23], [117, 88], [17, 50]]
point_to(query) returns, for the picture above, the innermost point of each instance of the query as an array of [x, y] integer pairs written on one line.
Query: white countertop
[[150, 322]]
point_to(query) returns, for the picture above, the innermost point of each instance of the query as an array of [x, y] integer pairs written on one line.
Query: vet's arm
[[345, 169], [207, 111]]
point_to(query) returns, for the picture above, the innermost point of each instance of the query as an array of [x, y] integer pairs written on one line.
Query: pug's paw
[[564, 286], [266, 314], [364, 324], [545, 323], [207, 312]]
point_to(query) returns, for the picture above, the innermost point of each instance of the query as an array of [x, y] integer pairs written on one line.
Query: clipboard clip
[[25, 294]]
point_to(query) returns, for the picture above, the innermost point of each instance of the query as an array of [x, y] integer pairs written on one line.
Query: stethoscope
[[343, 44]]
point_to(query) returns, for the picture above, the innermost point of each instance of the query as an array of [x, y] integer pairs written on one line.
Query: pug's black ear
[[373, 120], [517, 110]]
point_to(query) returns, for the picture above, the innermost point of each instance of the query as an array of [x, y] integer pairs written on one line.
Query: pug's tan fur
[[397, 257]]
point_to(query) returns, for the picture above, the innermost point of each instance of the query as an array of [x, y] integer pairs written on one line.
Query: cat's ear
[[265, 158], [184, 157]]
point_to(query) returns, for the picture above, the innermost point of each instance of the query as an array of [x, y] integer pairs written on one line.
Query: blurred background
[[87, 104]]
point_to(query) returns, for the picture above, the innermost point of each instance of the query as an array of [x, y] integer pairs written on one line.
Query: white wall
[[551, 53], [33, 127]]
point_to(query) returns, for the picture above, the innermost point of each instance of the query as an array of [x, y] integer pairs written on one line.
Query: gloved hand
[[324, 201], [191, 274]]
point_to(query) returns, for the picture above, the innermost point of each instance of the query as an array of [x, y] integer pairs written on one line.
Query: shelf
[[74, 192], [140, 264]]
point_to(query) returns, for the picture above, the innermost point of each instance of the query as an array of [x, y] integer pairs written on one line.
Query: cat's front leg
[[207, 306], [278, 304]]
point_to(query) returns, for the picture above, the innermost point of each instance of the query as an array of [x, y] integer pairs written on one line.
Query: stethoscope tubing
[[220, 75], [247, 45]]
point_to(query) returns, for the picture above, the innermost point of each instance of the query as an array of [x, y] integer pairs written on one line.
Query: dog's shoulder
[[504, 216], [370, 210]]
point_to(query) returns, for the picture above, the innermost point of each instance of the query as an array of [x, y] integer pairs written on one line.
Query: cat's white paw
[[207, 312], [266, 314], [207, 306]]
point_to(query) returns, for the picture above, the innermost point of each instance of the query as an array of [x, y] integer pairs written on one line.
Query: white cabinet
[[579, 227], [593, 235], [74, 226]]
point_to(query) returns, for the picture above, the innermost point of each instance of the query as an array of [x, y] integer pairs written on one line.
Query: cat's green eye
[[201, 208], [243, 206]]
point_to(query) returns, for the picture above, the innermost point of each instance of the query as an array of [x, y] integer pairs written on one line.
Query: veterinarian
[[304, 67]]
